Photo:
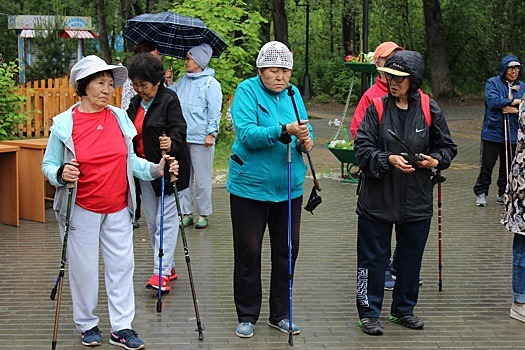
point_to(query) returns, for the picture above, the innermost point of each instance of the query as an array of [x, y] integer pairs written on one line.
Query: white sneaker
[[500, 199], [481, 200], [517, 312]]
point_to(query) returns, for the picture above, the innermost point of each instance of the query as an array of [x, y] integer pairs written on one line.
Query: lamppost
[[307, 89], [364, 76]]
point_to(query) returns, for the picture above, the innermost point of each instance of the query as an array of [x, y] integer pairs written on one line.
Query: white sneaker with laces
[[517, 312], [481, 200]]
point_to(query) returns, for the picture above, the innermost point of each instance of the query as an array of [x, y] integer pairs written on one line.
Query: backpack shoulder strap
[[378, 104], [425, 105]]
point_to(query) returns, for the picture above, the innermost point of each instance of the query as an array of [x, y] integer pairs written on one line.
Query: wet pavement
[[472, 311]]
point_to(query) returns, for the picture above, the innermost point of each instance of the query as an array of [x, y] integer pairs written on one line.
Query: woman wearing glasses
[[396, 191], [157, 116], [503, 94]]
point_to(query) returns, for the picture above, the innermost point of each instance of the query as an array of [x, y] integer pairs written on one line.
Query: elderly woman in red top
[[98, 137]]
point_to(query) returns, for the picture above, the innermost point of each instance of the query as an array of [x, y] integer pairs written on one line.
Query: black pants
[[489, 153], [373, 246], [249, 221], [138, 192]]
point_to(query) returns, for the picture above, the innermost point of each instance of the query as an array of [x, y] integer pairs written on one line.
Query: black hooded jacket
[[164, 115], [387, 194]]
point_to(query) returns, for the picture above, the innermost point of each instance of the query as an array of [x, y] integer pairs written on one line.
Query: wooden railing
[[45, 99]]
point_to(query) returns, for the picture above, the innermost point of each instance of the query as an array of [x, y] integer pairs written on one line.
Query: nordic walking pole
[[60, 279], [508, 147], [161, 240], [161, 250], [440, 247], [173, 179], [316, 182], [290, 272]]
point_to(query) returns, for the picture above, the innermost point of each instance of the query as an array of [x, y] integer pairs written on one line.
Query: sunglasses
[[398, 79]]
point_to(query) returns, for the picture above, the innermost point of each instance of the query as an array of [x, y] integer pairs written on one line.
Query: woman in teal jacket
[[265, 123]]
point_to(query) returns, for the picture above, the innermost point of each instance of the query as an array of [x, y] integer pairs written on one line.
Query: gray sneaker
[[481, 200], [500, 199], [517, 312]]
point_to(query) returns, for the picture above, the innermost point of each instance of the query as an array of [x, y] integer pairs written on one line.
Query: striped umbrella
[[174, 34]]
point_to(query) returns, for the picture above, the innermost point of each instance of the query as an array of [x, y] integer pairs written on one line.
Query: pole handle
[[170, 160], [74, 163]]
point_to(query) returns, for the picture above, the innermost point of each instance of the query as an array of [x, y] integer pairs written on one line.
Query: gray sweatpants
[[201, 171], [113, 233], [152, 209]]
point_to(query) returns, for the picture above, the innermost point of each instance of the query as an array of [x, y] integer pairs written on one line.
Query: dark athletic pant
[[373, 246], [138, 192], [249, 221], [489, 153]]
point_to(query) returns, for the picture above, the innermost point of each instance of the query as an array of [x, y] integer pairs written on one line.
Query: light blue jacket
[[201, 101], [258, 167], [61, 149]]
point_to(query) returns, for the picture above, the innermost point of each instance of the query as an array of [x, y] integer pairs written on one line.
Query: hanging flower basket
[[343, 149], [362, 67], [344, 152]]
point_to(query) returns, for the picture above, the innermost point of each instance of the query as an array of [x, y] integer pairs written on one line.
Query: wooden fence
[[45, 99]]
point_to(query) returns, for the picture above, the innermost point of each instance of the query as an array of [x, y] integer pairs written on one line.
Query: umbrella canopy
[[174, 34]]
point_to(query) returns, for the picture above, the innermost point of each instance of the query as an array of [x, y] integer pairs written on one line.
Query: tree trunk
[[348, 28], [440, 79], [125, 8], [280, 22], [103, 31]]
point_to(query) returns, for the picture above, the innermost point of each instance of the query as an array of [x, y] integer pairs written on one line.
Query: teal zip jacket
[[258, 166], [60, 149]]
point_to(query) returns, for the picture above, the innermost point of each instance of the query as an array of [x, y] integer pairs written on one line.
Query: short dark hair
[[145, 46], [146, 67], [83, 83]]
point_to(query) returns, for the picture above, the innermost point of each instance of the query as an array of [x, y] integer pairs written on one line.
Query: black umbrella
[[174, 34]]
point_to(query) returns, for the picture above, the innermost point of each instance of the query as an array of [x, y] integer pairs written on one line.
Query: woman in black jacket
[[397, 190], [155, 111]]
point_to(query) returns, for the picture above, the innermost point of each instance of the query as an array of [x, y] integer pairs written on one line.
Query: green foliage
[[477, 34], [333, 79], [238, 27], [11, 113], [224, 142], [8, 39], [54, 53]]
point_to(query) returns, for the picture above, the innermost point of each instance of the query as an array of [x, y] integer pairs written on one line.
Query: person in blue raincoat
[[201, 100], [265, 123], [502, 98]]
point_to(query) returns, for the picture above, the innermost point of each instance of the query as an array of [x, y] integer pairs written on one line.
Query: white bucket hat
[[93, 64], [275, 54]]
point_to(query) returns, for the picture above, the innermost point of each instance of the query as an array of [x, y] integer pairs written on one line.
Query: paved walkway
[[472, 311]]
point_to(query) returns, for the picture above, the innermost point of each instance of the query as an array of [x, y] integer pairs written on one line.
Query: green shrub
[[224, 141], [11, 113]]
